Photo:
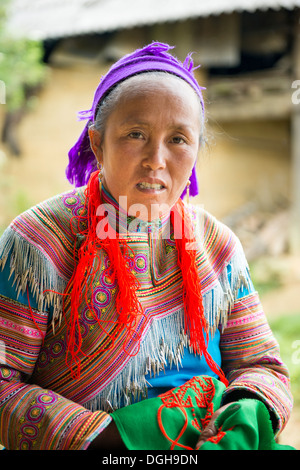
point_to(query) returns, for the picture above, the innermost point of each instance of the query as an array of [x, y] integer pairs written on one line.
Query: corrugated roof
[[60, 18]]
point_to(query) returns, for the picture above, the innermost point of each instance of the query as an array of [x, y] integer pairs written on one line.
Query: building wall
[[245, 161]]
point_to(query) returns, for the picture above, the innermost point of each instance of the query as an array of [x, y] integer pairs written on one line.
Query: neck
[[125, 223]]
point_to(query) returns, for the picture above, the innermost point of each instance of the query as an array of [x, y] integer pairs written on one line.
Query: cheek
[[183, 164], [115, 163], [118, 174]]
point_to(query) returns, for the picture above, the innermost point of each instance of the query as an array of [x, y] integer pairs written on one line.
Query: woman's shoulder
[[66, 204], [215, 238], [38, 246], [209, 226], [49, 229], [220, 251], [54, 214]]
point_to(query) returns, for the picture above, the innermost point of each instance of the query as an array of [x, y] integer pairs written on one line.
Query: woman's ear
[[96, 143]]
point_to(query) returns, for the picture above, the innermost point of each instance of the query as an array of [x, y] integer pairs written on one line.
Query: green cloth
[[244, 425], [174, 420]]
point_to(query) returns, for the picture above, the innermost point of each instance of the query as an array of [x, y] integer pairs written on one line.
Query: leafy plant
[[21, 65]]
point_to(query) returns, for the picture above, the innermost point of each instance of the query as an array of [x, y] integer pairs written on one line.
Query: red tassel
[[128, 306], [195, 322]]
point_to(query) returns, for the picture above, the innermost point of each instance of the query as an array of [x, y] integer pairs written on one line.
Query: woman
[[128, 318]]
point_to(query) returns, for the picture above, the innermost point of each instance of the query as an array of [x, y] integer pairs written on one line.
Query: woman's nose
[[155, 156]]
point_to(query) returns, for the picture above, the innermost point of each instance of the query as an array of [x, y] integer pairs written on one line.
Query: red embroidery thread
[[181, 399]]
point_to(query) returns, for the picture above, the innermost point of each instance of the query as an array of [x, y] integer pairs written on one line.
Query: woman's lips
[[151, 186], [147, 186]]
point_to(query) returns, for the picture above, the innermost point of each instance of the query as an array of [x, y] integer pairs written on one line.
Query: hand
[[210, 430], [108, 439]]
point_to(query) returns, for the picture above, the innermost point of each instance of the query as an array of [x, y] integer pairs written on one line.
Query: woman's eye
[[178, 140], [135, 135]]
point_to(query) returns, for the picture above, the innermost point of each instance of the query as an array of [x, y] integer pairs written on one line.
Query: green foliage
[[21, 66]]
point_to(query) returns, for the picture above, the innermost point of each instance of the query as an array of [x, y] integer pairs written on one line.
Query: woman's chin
[[150, 205]]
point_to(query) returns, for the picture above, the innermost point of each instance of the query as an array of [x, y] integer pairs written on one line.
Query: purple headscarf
[[153, 57]]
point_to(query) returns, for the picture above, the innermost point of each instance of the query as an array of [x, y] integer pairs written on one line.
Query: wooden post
[[295, 148]]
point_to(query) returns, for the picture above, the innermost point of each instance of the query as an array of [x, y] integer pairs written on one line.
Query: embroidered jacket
[[42, 406]]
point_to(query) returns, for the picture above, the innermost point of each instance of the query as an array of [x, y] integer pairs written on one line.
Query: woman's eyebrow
[[180, 126], [135, 121]]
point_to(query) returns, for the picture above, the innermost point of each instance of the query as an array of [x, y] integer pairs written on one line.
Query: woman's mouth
[[150, 186]]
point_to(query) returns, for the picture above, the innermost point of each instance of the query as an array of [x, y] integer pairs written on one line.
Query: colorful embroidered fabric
[[174, 421], [36, 252]]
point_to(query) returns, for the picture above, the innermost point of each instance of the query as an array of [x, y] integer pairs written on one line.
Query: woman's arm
[[38, 419], [252, 363], [30, 416]]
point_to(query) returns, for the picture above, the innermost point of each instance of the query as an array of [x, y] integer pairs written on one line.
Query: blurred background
[[52, 56]]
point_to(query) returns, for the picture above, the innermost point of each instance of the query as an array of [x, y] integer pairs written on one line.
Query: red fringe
[[194, 318], [128, 306]]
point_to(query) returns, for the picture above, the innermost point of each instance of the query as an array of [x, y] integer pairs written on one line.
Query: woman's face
[[150, 144]]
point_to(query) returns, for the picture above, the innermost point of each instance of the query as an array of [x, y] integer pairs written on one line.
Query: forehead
[[161, 89], [157, 81]]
